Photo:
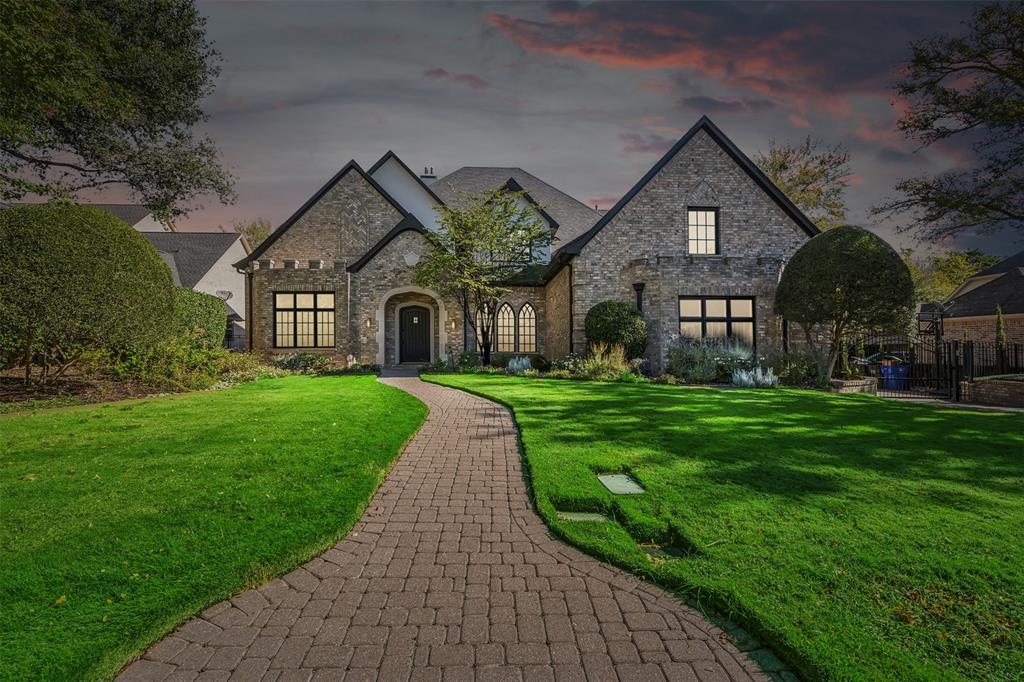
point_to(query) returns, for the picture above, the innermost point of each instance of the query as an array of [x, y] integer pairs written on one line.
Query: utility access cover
[[621, 484]]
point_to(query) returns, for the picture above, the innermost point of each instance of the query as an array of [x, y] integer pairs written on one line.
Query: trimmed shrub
[[303, 363], [200, 316], [84, 281], [617, 324], [800, 366], [707, 362]]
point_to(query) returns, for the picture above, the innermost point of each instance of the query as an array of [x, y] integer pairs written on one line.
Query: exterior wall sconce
[[451, 325], [369, 323], [638, 287]]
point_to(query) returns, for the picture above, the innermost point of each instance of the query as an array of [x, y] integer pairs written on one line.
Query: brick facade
[[647, 242], [644, 242], [983, 328]]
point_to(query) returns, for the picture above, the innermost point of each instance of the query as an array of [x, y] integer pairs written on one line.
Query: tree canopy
[[75, 279], [813, 175], [103, 93], [483, 241], [846, 281], [938, 276], [967, 92]]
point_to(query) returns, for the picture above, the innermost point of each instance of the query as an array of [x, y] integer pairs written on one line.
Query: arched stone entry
[[389, 314]]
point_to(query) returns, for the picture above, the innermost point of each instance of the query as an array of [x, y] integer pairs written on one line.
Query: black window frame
[[718, 231], [316, 319], [728, 319]]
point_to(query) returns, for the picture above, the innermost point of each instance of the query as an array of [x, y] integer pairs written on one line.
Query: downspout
[[248, 305], [570, 304]]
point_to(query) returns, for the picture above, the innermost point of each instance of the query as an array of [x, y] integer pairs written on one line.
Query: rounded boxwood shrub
[[617, 324], [75, 278], [200, 316]]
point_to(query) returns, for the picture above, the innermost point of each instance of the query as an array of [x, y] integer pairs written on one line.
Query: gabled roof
[[1004, 288], [406, 224], [573, 217], [391, 155], [311, 202], [741, 159], [190, 255], [512, 186]]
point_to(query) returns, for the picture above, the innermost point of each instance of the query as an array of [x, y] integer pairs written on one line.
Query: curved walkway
[[449, 575]]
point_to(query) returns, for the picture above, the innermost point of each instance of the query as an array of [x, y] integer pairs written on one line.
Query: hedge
[[201, 316], [617, 323]]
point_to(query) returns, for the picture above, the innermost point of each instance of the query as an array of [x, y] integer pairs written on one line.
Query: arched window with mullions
[[527, 329], [481, 318], [506, 329]]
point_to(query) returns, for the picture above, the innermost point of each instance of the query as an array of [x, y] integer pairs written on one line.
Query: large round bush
[[76, 278], [199, 316], [617, 323], [846, 281]]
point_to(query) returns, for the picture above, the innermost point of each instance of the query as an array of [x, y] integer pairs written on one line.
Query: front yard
[[861, 538], [121, 520]]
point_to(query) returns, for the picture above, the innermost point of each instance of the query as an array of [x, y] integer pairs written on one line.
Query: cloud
[[644, 143], [715, 105], [799, 121], [468, 79]]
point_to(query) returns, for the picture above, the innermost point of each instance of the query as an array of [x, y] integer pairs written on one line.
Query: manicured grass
[[120, 521], [861, 538]]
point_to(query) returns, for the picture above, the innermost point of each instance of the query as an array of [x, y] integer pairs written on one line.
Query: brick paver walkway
[[449, 575]]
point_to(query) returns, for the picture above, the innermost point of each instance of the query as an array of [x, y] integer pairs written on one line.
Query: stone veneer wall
[[983, 329], [349, 219], [647, 242], [993, 392], [557, 313]]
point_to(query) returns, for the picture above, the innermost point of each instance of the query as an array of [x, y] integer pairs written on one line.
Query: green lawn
[[119, 521], [861, 538]]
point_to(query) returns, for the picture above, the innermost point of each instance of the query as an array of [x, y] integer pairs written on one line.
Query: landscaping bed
[[122, 520], [860, 538]]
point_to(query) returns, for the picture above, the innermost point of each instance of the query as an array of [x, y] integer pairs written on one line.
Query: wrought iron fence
[[983, 359]]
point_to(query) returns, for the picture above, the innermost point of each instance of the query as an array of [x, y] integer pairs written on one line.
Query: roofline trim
[[512, 186], [406, 224], [276, 234], [704, 123], [391, 155]]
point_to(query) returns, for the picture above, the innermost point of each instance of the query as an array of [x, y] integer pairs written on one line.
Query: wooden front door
[[414, 334]]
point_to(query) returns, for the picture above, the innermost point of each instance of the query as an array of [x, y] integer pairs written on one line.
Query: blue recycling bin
[[894, 377]]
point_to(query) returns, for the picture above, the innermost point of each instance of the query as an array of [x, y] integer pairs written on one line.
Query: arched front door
[[414, 334]]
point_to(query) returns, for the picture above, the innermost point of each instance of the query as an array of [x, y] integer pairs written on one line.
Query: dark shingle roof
[[1005, 291], [193, 253], [573, 216], [129, 213]]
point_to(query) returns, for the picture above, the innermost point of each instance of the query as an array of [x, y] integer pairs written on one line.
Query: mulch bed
[[68, 390]]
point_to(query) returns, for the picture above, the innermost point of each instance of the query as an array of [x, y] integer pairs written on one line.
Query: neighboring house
[[136, 215], [698, 244], [970, 311], [203, 261]]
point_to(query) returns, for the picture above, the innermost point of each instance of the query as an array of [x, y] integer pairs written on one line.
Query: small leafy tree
[[814, 177], [848, 281], [107, 92], [938, 276], [75, 278], [253, 232], [617, 324], [483, 241]]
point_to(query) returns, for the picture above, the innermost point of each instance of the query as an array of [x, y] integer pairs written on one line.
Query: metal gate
[[910, 367]]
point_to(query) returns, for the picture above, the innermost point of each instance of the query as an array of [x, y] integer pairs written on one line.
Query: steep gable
[[341, 221], [405, 186]]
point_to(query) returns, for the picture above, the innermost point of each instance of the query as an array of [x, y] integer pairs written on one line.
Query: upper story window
[[304, 320], [702, 231]]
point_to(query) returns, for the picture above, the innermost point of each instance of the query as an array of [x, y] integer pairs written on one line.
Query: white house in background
[[136, 215], [202, 261]]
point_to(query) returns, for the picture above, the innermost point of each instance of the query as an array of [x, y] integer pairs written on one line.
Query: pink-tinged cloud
[[470, 80], [641, 143], [853, 180], [799, 121]]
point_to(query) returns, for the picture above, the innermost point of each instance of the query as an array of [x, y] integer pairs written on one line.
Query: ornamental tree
[[107, 92], [846, 281], [75, 278], [483, 241], [617, 324]]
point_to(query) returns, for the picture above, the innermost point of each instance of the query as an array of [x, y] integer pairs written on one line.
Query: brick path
[[449, 575]]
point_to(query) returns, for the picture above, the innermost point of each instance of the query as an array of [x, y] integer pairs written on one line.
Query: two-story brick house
[[698, 244]]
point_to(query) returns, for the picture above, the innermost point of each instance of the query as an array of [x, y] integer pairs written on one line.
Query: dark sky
[[584, 96]]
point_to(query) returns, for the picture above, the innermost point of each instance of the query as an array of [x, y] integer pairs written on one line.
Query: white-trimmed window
[[702, 231], [527, 329], [717, 317], [303, 320]]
